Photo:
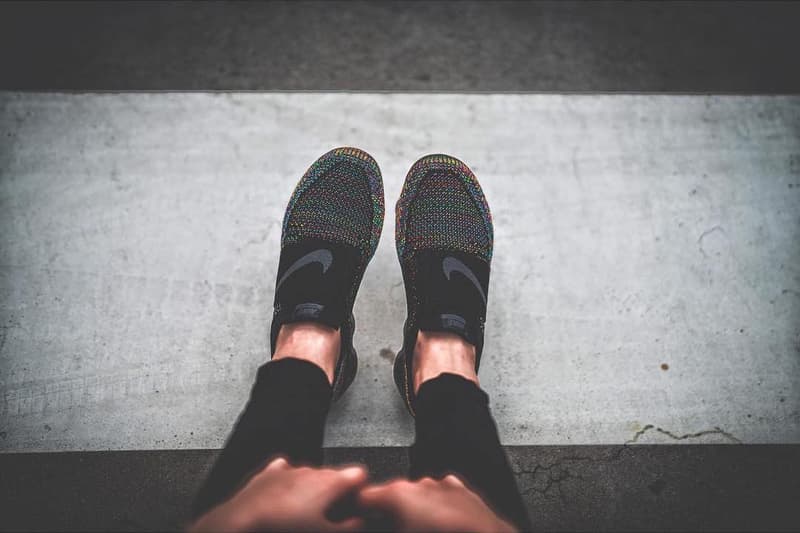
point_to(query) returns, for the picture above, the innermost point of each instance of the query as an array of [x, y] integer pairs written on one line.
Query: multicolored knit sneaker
[[444, 238], [330, 232]]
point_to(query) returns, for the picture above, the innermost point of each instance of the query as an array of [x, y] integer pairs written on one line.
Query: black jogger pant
[[286, 415]]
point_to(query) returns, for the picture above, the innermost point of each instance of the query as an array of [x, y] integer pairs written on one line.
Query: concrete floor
[[566, 488], [678, 46], [645, 285]]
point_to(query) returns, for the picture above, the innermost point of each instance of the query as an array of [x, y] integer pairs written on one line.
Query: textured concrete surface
[[645, 284], [402, 46], [569, 488]]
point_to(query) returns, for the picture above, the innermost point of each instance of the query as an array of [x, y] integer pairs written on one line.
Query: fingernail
[[353, 471]]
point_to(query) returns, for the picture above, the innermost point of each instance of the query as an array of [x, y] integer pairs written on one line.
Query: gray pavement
[[566, 488], [677, 46], [644, 289]]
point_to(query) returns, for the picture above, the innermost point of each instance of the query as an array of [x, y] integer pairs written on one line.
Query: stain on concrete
[[388, 354], [705, 234]]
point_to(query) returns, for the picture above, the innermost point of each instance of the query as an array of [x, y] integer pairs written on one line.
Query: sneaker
[[444, 240], [330, 232]]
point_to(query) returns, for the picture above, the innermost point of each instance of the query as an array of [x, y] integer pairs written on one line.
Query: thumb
[[351, 524], [340, 482], [381, 497]]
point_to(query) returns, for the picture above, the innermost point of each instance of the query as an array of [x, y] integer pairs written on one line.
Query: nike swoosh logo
[[322, 256], [451, 264]]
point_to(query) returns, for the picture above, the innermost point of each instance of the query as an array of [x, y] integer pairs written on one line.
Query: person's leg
[[445, 240], [285, 415], [455, 432], [330, 231]]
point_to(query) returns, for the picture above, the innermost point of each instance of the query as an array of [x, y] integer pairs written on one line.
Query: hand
[[286, 498], [432, 505]]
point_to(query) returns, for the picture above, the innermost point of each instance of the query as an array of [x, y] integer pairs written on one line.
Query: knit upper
[[339, 199], [442, 207]]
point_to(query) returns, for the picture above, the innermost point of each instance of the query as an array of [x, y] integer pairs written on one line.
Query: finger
[[340, 482], [454, 481], [349, 477], [278, 463], [381, 497], [342, 468], [350, 524]]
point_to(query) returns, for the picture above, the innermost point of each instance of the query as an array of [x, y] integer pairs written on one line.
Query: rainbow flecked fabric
[[338, 203], [442, 207]]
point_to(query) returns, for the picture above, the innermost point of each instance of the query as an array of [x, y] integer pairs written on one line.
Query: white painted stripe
[[140, 233]]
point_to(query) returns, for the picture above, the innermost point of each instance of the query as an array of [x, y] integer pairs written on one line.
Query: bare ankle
[[309, 341], [437, 353]]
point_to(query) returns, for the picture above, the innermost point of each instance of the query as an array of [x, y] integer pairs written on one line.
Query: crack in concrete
[[556, 474], [3, 336], [638, 434], [715, 431]]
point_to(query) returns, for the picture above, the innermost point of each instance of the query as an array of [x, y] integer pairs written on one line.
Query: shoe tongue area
[[315, 282], [452, 288]]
